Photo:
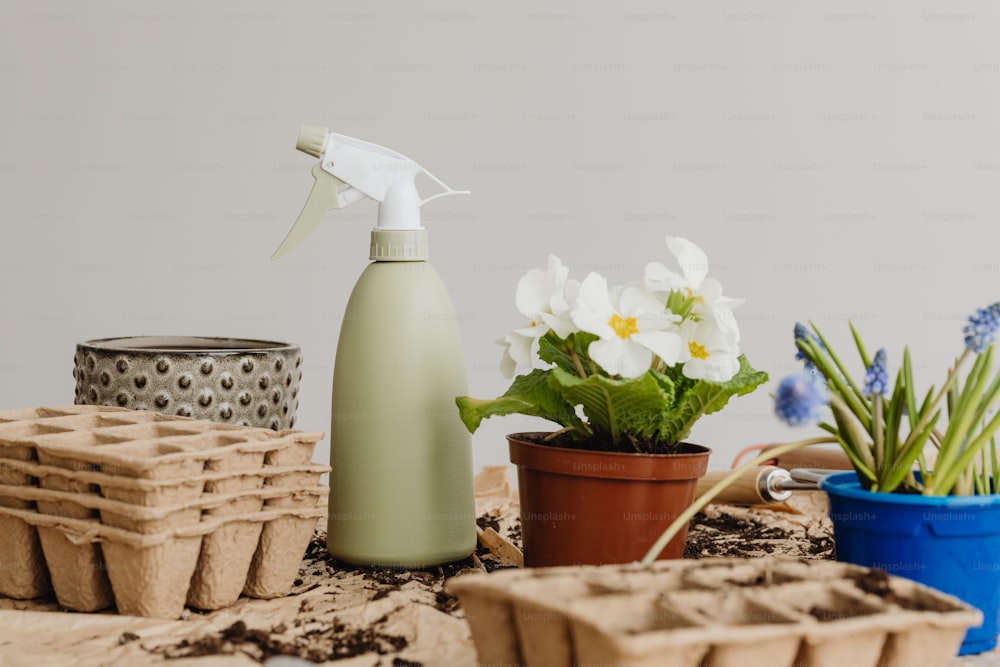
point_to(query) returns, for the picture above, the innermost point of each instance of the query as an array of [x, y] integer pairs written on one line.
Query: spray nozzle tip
[[312, 140]]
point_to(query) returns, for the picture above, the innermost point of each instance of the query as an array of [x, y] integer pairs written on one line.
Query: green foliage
[[530, 394], [624, 414], [650, 413], [886, 437], [704, 398]]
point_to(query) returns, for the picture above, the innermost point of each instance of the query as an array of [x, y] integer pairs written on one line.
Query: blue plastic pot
[[950, 543]]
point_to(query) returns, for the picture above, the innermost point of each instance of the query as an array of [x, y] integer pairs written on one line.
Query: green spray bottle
[[401, 487]]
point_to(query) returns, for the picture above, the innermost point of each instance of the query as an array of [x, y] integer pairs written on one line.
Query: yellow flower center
[[623, 326], [697, 299], [697, 351]]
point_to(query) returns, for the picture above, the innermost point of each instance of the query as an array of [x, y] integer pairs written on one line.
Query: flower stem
[[684, 517], [579, 364]]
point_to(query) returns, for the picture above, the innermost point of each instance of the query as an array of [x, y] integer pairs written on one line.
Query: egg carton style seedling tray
[[711, 613], [150, 512]]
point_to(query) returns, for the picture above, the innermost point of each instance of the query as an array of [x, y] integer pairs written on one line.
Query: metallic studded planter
[[227, 380]]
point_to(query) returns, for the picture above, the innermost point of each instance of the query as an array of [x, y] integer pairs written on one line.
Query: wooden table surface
[[392, 618]]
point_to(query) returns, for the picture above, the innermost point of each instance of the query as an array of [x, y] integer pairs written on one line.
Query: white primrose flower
[[632, 325], [516, 353], [707, 292], [693, 263], [710, 304], [545, 298], [709, 352]]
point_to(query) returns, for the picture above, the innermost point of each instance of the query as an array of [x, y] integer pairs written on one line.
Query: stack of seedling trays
[[718, 612], [150, 512]]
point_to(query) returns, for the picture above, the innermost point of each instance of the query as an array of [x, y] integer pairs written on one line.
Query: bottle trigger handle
[[324, 196]]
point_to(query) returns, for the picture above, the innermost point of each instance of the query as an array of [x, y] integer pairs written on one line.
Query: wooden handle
[[744, 491], [830, 458]]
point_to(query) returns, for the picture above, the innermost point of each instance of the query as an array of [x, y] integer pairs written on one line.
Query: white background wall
[[836, 160]]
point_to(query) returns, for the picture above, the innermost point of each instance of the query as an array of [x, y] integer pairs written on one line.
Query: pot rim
[[607, 465], [185, 345], [846, 485]]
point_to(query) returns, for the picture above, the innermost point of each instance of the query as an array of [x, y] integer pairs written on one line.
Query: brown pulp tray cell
[[193, 507], [156, 574], [157, 518], [138, 457], [132, 443], [720, 612], [154, 492]]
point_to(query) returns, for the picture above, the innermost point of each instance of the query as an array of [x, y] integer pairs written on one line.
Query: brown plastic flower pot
[[581, 507]]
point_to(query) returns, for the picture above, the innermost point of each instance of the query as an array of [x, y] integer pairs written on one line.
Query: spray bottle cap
[[312, 140], [350, 170]]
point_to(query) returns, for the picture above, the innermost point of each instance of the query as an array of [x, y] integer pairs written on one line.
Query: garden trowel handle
[[814, 457], [764, 484], [757, 486]]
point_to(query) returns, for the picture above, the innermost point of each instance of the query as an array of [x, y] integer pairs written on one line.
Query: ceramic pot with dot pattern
[[226, 380]]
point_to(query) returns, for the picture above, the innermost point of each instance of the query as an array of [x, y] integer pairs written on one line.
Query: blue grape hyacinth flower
[[801, 399], [981, 330], [802, 333], [876, 377]]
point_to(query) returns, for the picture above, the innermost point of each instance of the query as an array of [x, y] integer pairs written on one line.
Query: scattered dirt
[[877, 582], [333, 641], [399, 662], [487, 521], [328, 614], [719, 533], [319, 633], [316, 639], [514, 532]]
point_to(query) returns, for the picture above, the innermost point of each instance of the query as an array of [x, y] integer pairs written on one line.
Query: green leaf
[[908, 455], [951, 467], [704, 398], [862, 352], [626, 412], [853, 437], [963, 416], [532, 394], [746, 380], [911, 400], [557, 351], [838, 379], [894, 417]]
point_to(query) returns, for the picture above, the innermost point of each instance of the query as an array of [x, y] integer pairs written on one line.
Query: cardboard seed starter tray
[[720, 612], [151, 512]]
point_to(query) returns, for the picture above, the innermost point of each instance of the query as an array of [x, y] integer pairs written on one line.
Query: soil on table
[[319, 636], [330, 639], [393, 617], [334, 641], [722, 534]]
